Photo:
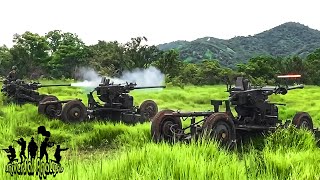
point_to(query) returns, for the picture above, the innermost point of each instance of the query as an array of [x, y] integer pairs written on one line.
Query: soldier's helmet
[[14, 68]]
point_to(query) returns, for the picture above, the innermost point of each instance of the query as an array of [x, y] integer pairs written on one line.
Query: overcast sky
[[159, 20]]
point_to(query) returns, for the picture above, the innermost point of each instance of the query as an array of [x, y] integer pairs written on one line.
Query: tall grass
[[104, 150]]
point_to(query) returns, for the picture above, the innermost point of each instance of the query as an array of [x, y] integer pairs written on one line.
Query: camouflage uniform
[[12, 76]]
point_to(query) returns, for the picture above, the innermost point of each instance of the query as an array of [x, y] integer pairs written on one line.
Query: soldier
[[32, 149], [11, 154], [23, 145], [12, 76], [43, 148], [57, 154]]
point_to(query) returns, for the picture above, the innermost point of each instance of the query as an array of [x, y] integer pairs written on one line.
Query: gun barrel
[[296, 87], [51, 85], [148, 87]]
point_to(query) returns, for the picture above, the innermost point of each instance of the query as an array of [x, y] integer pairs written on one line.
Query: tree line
[[58, 54]]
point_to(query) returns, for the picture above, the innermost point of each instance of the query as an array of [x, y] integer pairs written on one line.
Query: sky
[[161, 21]]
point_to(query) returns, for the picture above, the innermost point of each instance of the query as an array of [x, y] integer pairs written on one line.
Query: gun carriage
[[117, 105], [255, 114]]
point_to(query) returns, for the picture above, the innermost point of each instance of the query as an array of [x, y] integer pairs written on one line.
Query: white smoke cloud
[[142, 77]]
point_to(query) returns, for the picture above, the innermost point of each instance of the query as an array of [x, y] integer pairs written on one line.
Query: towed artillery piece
[[255, 115], [21, 92], [117, 105]]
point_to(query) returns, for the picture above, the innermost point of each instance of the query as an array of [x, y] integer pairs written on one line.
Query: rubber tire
[[220, 118], [69, 106], [157, 122], [144, 105], [301, 117], [43, 108]]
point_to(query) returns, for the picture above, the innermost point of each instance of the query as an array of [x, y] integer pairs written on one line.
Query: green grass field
[[101, 150]]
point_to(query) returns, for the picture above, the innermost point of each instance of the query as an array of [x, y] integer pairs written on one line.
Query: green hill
[[284, 40]]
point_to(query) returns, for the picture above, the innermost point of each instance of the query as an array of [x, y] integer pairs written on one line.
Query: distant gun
[[36, 85], [53, 85]]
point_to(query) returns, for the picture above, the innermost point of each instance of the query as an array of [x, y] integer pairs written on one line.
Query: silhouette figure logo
[[31, 164]]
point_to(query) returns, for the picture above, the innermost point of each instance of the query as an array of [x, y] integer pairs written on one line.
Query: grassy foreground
[[102, 150]]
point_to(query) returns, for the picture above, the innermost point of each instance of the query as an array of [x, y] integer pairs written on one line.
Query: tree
[[263, 67], [29, 53], [108, 58], [169, 63], [209, 72], [67, 53], [138, 55], [312, 66], [190, 73], [5, 59]]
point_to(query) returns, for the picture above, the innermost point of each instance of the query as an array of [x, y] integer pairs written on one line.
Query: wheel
[[74, 111], [50, 110], [148, 109], [303, 120], [220, 127], [162, 126]]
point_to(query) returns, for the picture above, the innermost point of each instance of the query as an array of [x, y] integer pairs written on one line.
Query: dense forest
[[284, 40], [57, 54]]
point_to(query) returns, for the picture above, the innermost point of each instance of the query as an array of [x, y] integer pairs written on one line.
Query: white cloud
[[159, 20]]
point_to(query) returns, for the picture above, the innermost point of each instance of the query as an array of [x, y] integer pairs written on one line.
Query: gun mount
[[117, 105], [113, 94], [252, 105], [255, 115]]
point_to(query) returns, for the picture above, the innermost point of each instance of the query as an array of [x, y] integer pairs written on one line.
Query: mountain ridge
[[287, 39]]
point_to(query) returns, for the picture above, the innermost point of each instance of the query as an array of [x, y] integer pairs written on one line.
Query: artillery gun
[[21, 92], [255, 114], [117, 105]]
